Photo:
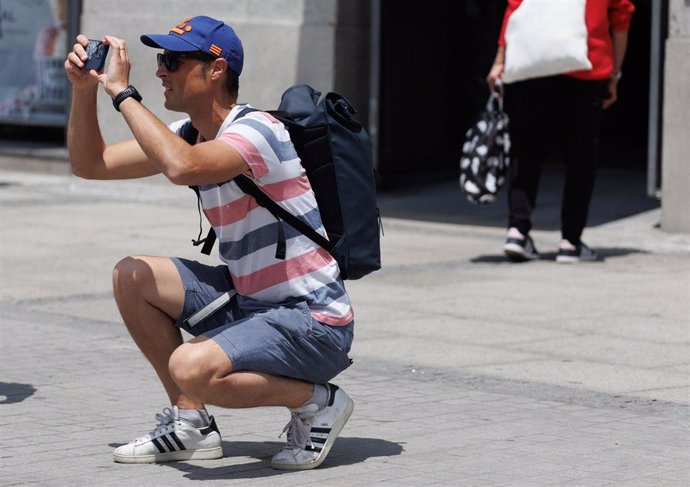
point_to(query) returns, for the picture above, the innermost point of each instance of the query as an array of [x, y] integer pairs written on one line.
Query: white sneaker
[[172, 440], [311, 433]]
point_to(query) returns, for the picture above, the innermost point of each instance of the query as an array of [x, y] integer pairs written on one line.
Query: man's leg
[[150, 295], [204, 372]]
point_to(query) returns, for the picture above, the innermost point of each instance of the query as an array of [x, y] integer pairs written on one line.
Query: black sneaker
[[520, 249], [578, 253]]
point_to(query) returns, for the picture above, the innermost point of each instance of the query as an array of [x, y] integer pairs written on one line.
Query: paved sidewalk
[[468, 371]]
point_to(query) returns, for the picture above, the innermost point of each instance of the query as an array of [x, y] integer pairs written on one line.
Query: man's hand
[[117, 77], [80, 79]]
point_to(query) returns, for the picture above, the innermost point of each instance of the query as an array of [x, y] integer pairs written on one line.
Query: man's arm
[[180, 162], [164, 151], [89, 155]]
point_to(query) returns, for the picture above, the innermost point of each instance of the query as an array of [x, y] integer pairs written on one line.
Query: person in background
[[573, 104]]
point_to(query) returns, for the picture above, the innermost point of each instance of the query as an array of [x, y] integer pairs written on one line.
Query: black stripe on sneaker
[[323, 431], [332, 388], [177, 441], [210, 428], [167, 443], [158, 445]]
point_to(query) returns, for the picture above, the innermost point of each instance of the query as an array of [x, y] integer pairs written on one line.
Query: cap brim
[[171, 43]]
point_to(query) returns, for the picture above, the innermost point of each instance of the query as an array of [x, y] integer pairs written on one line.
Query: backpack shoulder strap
[[265, 201], [190, 134], [249, 187]]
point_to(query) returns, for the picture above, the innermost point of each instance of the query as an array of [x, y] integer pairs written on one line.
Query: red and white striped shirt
[[247, 233]]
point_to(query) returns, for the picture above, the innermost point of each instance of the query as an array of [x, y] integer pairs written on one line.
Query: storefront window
[[33, 46]]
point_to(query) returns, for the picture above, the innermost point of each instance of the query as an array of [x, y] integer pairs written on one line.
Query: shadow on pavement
[[618, 193], [603, 253], [15, 392], [345, 451]]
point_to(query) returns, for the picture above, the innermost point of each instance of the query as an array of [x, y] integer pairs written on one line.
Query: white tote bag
[[544, 38]]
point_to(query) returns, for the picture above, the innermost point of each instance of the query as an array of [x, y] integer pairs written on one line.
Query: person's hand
[[116, 78], [613, 94], [74, 63], [495, 74]]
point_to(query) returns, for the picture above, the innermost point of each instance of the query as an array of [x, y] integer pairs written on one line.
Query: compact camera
[[97, 52]]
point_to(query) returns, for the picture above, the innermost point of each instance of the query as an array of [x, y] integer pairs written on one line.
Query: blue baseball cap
[[201, 34]]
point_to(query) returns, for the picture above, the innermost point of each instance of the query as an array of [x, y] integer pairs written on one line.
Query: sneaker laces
[[164, 419], [299, 426]]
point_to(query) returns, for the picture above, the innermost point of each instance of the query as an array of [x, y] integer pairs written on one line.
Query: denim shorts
[[274, 338]]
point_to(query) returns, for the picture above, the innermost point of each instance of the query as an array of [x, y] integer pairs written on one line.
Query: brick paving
[[468, 371]]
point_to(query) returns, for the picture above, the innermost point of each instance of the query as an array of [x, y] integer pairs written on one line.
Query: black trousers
[[556, 115]]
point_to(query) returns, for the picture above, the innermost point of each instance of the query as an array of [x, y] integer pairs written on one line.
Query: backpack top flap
[[299, 101]]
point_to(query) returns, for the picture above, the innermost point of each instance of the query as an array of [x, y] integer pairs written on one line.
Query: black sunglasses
[[171, 60]]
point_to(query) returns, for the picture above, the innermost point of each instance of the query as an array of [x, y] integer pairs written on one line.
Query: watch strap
[[129, 92]]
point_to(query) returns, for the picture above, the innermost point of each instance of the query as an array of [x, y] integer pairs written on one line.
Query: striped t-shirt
[[247, 233]]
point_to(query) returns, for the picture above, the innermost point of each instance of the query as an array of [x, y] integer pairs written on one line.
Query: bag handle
[[496, 97]]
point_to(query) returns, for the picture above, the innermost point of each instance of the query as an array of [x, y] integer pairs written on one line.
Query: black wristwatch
[[128, 92]]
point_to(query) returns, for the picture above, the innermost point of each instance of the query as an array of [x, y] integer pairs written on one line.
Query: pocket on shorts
[[293, 316], [336, 339], [293, 321]]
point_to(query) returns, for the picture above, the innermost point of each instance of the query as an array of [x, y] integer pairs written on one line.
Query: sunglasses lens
[[170, 60]]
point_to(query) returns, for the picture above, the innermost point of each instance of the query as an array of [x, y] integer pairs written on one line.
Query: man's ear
[[218, 68]]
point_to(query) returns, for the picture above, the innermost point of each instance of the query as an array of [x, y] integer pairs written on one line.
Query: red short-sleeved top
[[601, 16]]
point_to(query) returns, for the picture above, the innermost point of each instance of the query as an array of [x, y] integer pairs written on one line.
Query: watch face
[[129, 91]]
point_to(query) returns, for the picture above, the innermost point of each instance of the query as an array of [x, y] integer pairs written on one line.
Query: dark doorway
[[624, 131], [434, 60]]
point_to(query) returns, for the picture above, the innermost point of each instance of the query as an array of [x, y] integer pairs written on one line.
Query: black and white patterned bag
[[486, 153]]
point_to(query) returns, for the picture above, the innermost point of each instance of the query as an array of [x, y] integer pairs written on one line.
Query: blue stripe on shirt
[[284, 150], [266, 236]]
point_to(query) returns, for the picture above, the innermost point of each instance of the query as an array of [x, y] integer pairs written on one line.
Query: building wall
[[319, 42], [326, 43], [675, 180]]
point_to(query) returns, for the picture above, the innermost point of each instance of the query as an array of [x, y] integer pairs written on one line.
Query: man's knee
[[195, 365], [130, 272]]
